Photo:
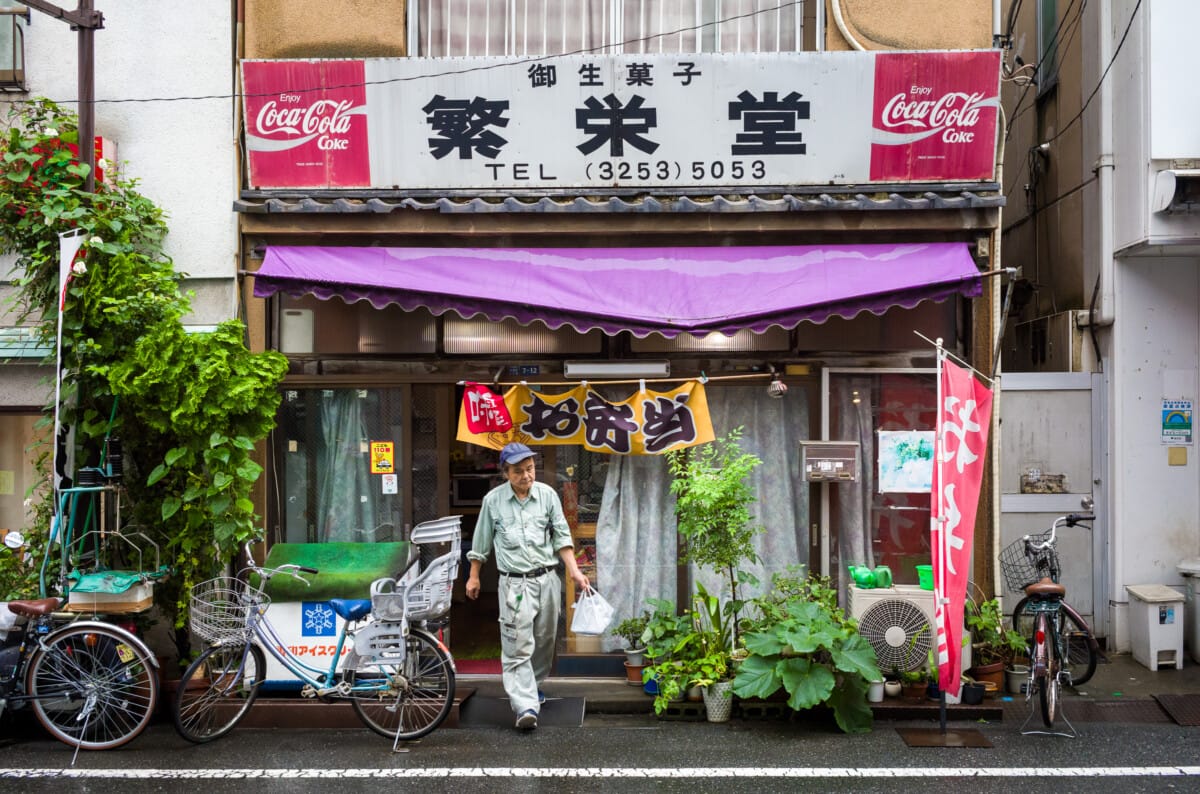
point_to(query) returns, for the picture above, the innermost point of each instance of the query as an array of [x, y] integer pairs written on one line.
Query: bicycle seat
[[30, 609], [1045, 588], [351, 608]]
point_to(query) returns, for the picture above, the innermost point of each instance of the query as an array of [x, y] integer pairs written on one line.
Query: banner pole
[[940, 587]]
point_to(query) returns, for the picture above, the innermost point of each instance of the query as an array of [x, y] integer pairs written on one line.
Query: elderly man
[[522, 521]]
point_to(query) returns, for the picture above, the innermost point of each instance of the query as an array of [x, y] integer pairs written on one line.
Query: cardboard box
[[138, 598]]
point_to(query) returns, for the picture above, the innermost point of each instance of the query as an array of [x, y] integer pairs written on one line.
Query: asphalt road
[[621, 754]]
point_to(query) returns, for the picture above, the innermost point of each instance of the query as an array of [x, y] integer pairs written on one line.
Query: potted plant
[[803, 643], [631, 630], [915, 684], [994, 647]]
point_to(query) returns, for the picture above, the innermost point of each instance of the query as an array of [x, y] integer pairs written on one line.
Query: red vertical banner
[[306, 123], [962, 434]]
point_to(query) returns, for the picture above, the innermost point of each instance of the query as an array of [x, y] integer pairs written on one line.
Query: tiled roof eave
[[976, 196]]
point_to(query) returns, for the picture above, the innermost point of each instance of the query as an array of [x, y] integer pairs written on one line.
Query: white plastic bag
[[592, 613]]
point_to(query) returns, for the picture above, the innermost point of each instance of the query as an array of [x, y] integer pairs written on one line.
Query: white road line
[[602, 772]]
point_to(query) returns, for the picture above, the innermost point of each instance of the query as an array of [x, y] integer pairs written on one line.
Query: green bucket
[[925, 576]]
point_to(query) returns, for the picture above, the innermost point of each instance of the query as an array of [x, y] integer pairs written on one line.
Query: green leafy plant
[[631, 630], [189, 408], [992, 641], [712, 510], [805, 644], [683, 653]]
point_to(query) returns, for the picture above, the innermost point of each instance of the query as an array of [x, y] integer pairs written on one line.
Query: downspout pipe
[[1103, 313]]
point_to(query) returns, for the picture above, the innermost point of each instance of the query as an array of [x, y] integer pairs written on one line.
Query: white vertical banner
[[69, 244]]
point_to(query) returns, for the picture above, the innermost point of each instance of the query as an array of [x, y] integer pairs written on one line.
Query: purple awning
[[642, 290]]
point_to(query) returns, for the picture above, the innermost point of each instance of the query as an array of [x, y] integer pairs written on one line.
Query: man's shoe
[[541, 697], [527, 721]]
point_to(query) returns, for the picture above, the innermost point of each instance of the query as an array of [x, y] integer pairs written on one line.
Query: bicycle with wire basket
[[395, 672], [1062, 649]]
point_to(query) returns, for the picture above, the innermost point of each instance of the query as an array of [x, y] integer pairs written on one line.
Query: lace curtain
[[636, 530]]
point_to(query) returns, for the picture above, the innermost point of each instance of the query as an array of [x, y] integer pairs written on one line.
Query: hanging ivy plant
[[190, 408]]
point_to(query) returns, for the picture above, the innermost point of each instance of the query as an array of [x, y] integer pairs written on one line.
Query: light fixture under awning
[[696, 290]]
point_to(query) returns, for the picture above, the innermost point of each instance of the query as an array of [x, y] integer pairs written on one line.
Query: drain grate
[[1184, 709]]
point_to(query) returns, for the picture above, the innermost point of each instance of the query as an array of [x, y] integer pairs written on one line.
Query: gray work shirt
[[525, 535]]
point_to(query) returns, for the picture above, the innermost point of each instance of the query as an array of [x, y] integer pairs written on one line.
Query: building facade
[[1102, 147], [515, 193]]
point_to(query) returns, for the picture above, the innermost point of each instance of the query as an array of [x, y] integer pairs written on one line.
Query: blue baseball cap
[[514, 453]]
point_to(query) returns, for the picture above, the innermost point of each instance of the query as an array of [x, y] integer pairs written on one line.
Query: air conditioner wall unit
[[897, 621]]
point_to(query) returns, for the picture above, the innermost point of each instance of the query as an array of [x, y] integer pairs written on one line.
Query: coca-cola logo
[[953, 111], [325, 119]]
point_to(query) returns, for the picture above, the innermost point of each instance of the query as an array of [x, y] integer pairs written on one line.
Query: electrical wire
[[504, 65]]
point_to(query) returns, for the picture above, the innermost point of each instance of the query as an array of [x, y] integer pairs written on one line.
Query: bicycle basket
[[1020, 570], [220, 608]]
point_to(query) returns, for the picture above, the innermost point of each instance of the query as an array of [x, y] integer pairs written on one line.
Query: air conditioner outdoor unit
[[897, 621]]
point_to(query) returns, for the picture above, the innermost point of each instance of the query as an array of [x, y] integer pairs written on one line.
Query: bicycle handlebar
[[290, 568], [1072, 519]]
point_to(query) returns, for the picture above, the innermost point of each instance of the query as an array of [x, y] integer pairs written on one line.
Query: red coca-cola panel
[[306, 124], [934, 116]]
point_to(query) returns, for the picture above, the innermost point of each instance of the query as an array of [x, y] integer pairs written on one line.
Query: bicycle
[[1062, 648], [398, 676], [91, 685]]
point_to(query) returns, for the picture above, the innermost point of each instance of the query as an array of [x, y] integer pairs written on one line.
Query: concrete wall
[[182, 151]]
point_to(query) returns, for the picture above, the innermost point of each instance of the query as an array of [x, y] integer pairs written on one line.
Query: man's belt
[[536, 572]]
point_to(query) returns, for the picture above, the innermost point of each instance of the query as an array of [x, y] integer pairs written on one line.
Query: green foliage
[[631, 630], [190, 407], [991, 641], [683, 652], [801, 641], [712, 509]]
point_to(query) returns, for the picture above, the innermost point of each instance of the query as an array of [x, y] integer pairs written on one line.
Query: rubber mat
[[1184, 709], [491, 712]]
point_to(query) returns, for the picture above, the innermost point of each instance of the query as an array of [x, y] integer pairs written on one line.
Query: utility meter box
[[1156, 625], [829, 461]]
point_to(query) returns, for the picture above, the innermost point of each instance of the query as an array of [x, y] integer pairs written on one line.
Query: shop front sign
[[587, 122]]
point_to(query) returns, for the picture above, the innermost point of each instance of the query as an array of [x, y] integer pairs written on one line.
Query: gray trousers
[[529, 609]]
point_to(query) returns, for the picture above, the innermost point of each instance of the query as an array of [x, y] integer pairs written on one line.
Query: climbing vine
[[190, 407]]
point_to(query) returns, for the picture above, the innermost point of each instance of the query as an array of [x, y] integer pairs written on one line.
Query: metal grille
[[444, 28]]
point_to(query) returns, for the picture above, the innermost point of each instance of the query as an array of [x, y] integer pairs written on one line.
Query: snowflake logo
[[318, 620]]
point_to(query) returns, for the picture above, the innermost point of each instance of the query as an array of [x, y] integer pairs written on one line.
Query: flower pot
[[633, 674], [972, 694], [718, 701], [988, 672], [695, 694], [915, 691], [875, 691], [1015, 679], [636, 657], [892, 688]]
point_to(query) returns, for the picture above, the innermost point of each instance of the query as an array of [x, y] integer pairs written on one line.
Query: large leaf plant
[[189, 407]]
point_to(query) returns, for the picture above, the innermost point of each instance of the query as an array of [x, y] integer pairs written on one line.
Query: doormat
[[493, 712], [477, 666], [1184, 709], [934, 737]]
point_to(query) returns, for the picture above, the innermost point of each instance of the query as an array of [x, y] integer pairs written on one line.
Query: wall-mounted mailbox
[[829, 461]]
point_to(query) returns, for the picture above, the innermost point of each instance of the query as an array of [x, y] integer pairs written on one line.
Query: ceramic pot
[[988, 672], [875, 691], [718, 701], [695, 694], [892, 688], [636, 657], [1015, 679], [633, 674]]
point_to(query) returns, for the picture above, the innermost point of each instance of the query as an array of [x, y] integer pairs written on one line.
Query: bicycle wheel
[[1080, 657], [1049, 687], [93, 686], [413, 696], [217, 690]]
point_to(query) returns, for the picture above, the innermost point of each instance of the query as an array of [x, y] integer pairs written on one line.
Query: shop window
[[308, 325], [481, 337], [743, 341], [323, 460], [18, 439], [874, 520], [444, 28]]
